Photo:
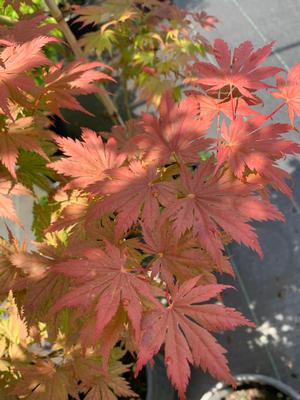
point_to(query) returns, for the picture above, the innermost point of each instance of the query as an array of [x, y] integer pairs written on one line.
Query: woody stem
[[74, 45]]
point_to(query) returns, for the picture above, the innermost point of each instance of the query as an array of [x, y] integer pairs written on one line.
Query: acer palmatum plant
[[131, 237]]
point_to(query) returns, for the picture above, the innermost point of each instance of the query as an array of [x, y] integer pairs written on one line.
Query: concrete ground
[[269, 289]]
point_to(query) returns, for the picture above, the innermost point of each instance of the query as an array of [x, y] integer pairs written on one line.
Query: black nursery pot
[[158, 384], [270, 388]]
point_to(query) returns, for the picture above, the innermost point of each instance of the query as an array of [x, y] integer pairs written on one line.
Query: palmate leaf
[[25, 30], [180, 257], [210, 107], [241, 69], [97, 385], [206, 202], [24, 133], [129, 191], [124, 136], [102, 282], [205, 20], [63, 83], [89, 160], [35, 271], [152, 88], [9, 273], [72, 371], [289, 91], [177, 131], [99, 41], [184, 328], [44, 381], [115, 10], [17, 61], [249, 145]]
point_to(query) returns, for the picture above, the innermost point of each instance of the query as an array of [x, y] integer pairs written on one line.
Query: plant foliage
[[132, 224]]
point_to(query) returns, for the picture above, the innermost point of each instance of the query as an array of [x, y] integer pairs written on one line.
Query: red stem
[[218, 131], [168, 295], [232, 105], [275, 111]]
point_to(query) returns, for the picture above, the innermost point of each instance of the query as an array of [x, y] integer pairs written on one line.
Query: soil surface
[[259, 392]]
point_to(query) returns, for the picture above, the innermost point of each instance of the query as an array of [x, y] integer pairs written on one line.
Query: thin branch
[[74, 45]]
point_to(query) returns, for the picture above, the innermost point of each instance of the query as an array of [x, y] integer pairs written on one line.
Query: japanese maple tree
[[132, 227]]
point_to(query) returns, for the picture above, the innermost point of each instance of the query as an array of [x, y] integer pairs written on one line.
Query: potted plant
[[253, 386], [132, 225]]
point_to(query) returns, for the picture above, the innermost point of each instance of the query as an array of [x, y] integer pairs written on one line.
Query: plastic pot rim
[[267, 380]]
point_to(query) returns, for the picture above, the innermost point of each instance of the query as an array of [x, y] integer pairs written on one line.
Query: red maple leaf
[[184, 328], [24, 133], [17, 60], [247, 145], [87, 161], [210, 106], [39, 285], [290, 91], [206, 202], [205, 20], [240, 70], [177, 131], [180, 257], [25, 30], [104, 280], [129, 191], [63, 83], [125, 136]]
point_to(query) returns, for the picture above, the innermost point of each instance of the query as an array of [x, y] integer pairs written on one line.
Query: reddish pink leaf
[[206, 21], [241, 70], [64, 83], [88, 161], [289, 91], [248, 145], [177, 131], [205, 202], [103, 281], [17, 60], [128, 190], [183, 326]]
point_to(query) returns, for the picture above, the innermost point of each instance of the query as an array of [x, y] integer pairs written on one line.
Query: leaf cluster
[[132, 224]]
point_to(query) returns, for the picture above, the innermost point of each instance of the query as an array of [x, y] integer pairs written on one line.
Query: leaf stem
[[168, 295], [275, 111], [218, 131], [232, 105]]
